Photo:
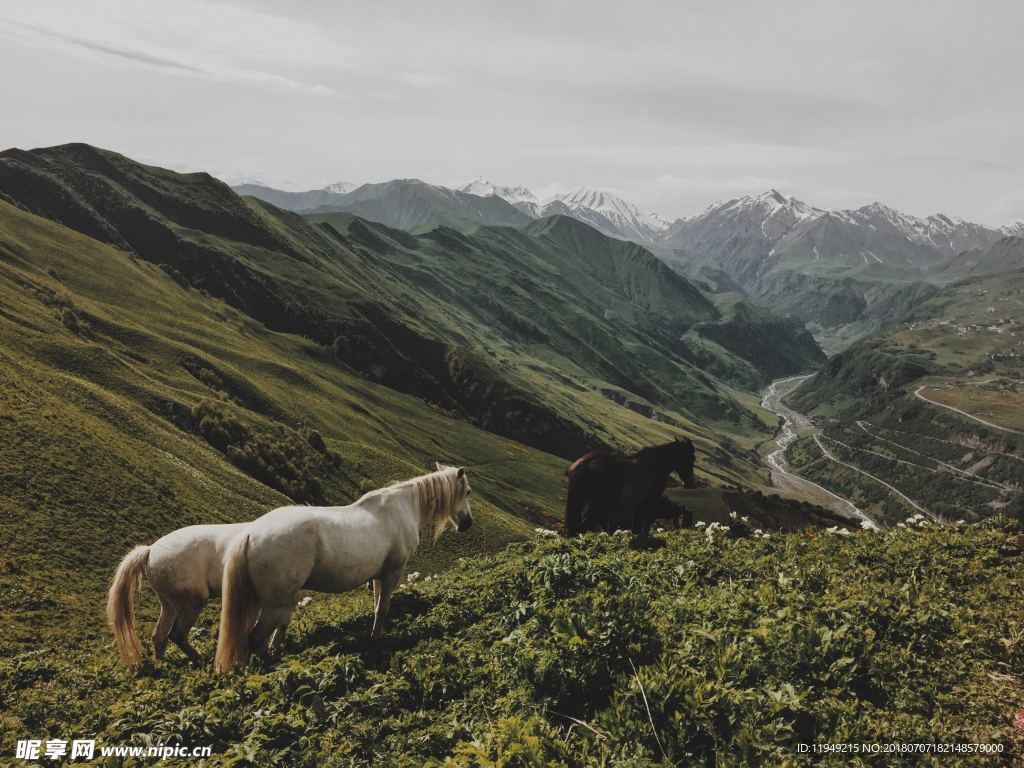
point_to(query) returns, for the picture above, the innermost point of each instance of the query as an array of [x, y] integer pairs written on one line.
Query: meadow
[[699, 648]]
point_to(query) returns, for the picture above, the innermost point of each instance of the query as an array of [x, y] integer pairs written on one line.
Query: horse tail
[[239, 607], [575, 501], [121, 608]]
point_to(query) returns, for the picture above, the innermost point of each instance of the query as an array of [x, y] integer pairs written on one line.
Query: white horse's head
[[457, 509]]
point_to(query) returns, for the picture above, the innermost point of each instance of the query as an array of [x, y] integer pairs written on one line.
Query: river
[[793, 425]]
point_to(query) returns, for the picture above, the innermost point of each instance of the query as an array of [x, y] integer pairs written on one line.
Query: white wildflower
[[714, 528], [867, 525], [545, 532], [699, 524], [413, 576], [306, 600]]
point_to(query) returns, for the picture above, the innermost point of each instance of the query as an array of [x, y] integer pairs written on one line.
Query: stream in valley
[[793, 425]]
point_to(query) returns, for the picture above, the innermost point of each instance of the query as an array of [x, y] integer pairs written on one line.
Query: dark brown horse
[[610, 492]]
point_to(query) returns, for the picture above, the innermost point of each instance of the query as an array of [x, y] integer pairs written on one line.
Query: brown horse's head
[[685, 456]]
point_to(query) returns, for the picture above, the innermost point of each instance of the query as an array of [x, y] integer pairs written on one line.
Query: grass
[[999, 402], [742, 649], [94, 460]]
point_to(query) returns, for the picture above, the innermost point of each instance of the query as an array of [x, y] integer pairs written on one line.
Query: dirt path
[[829, 455], [917, 393], [969, 477]]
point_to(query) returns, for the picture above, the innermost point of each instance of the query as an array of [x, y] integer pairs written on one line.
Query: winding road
[[917, 393]]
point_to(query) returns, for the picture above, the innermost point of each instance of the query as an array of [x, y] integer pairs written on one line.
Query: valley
[[238, 357], [173, 353], [511, 385], [793, 426]]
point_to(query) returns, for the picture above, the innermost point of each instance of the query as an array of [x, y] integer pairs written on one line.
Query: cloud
[[426, 80], [204, 40]]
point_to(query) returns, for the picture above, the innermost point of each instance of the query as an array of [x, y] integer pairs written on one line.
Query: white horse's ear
[[439, 465], [462, 471]]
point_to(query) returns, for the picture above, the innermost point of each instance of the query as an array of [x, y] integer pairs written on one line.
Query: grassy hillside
[[750, 346], [709, 650], [119, 386], [555, 336], [881, 409]]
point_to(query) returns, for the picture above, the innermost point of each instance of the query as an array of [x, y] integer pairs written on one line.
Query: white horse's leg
[[376, 593], [387, 581], [271, 618], [189, 609], [277, 639], [163, 627]]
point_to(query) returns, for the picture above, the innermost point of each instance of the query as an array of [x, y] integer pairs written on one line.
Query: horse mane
[[437, 493], [654, 450]]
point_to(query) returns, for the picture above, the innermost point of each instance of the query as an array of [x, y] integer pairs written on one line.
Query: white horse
[[330, 549], [184, 568]]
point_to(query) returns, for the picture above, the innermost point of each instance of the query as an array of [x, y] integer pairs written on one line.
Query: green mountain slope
[[929, 405], [1004, 256], [131, 405], [555, 335], [411, 203], [749, 346]]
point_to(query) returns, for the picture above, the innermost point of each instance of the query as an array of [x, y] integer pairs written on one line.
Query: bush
[[707, 651], [281, 459]]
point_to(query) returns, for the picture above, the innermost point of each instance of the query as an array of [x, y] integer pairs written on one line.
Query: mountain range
[[411, 203], [754, 231], [844, 272], [749, 236], [549, 332]]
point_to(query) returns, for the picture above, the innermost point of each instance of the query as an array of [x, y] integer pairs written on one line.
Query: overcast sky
[[674, 105]]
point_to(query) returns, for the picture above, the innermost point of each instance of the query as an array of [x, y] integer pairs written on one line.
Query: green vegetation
[[172, 354], [553, 334], [961, 347], [552, 652], [168, 408]]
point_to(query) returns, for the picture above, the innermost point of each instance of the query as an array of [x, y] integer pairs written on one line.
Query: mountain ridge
[[548, 337]]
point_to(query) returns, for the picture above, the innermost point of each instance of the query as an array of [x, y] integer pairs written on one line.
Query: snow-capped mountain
[[751, 235], [484, 188], [1013, 229], [340, 187], [599, 208], [296, 201], [609, 213]]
